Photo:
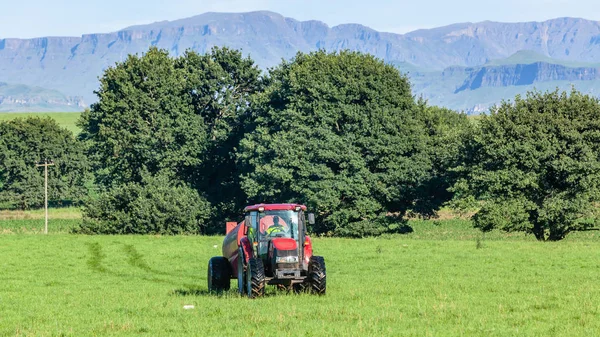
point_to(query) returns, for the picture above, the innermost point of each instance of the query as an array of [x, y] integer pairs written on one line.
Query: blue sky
[[33, 18]]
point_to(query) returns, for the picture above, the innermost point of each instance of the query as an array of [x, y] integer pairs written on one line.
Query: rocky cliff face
[[71, 65], [524, 74], [476, 43]]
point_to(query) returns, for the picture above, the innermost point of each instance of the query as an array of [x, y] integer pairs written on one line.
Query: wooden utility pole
[[45, 165]]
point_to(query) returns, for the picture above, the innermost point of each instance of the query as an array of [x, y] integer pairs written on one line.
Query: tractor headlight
[[286, 259]]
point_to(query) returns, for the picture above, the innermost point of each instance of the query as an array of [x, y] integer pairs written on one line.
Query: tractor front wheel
[[317, 275], [255, 278], [218, 274]]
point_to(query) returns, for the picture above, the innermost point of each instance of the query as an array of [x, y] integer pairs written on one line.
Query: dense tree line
[[180, 145], [339, 132]]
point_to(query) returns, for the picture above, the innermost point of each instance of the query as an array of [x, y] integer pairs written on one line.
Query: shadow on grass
[[195, 290], [402, 229]]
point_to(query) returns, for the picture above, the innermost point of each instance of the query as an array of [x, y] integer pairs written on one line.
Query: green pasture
[[69, 119], [53, 213], [64, 119], [444, 279]]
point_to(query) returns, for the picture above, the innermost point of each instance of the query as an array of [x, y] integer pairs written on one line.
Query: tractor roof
[[274, 207]]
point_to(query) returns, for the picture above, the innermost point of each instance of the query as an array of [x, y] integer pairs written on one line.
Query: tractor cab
[[269, 225], [277, 233]]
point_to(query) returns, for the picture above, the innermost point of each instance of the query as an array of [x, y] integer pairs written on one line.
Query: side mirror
[[311, 218]]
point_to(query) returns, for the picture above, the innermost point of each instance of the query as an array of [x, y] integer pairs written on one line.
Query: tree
[[158, 204], [222, 83], [338, 132], [447, 132], [27, 142], [143, 120], [534, 165], [183, 115]]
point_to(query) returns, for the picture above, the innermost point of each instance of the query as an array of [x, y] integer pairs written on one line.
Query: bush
[[157, 205], [534, 166], [25, 142]]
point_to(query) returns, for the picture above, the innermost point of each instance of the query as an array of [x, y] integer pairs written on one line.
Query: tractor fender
[[246, 246], [308, 251]]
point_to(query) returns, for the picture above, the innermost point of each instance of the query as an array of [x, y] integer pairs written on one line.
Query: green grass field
[[53, 213], [64, 119], [444, 279]]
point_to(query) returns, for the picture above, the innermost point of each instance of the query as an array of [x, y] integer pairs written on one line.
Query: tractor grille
[[287, 265], [281, 266], [292, 252]]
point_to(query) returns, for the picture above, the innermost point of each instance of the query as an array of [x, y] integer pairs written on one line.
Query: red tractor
[[269, 246]]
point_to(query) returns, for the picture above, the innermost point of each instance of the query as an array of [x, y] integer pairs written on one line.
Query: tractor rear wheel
[[317, 275], [255, 278], [218, 274]]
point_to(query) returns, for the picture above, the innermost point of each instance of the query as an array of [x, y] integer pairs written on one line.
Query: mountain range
[[465, 66]]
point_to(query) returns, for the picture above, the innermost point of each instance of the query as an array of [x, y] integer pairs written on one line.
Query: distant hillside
[[524, 74], [475, 89], [529, 57], [67, 120], [71, 65], [22, 98]]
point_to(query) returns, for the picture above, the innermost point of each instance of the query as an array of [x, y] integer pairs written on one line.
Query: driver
[[276, 227]]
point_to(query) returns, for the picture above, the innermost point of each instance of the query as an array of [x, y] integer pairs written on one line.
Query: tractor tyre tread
[[219, 274], [317, 275], [257, 274]]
